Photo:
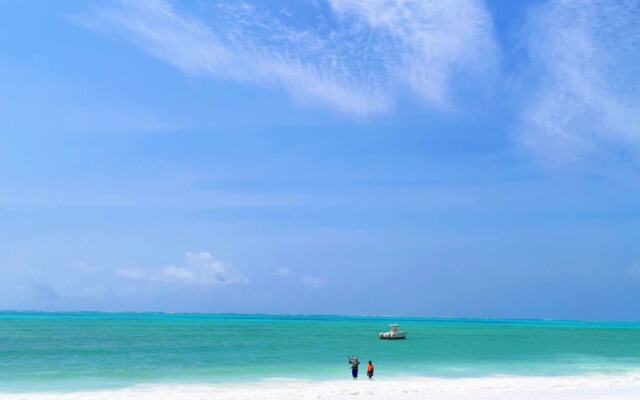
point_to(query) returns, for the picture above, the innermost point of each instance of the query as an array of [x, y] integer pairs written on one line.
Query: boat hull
[[385, 336]]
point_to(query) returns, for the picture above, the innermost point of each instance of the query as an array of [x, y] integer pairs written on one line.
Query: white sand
[[493, 388]]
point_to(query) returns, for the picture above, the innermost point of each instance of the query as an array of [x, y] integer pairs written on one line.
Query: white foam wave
[[621, 387]]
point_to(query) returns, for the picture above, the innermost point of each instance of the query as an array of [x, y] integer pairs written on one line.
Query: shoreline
[[618, 386]]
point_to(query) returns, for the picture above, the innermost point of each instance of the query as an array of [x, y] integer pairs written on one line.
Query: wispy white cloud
[[283, 272], [200, 269], [353, 59], [586, 81], [313, 281], [429, 40]]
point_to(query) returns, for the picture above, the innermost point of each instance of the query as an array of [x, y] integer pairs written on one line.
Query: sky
[[463, 158]]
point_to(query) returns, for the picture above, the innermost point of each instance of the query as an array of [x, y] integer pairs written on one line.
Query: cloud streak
[[200, 269], [586, 82], [428, 40], [313, 282], [354, 58]]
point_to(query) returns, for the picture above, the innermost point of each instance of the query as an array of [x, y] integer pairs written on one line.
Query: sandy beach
[[491, 388]]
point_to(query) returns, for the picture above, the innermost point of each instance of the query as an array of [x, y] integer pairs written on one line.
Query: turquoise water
[[56, 351]]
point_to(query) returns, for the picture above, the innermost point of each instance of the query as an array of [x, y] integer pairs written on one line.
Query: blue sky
[[458, 158]]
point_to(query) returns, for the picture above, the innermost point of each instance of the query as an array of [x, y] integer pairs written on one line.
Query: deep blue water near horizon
[[74, 351]]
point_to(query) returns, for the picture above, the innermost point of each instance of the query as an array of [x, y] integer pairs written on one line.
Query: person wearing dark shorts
[[370, 369], [354, 367]]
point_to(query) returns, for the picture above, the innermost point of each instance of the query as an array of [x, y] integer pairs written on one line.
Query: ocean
[[91, 351]]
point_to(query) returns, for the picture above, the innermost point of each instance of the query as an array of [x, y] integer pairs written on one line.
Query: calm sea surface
[[70, 351]]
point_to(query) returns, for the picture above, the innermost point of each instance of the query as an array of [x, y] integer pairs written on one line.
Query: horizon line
[[469, 318]]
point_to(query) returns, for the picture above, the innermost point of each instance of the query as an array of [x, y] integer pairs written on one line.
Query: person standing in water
[[370, 369], [354, 366]]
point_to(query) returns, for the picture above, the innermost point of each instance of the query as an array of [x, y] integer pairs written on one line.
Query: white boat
[[393, 333]]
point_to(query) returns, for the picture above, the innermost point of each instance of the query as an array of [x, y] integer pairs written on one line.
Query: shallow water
[[73, 351]]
